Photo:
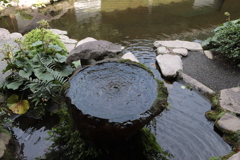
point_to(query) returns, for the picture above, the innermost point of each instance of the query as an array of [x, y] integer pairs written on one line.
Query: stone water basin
[[112, 100]]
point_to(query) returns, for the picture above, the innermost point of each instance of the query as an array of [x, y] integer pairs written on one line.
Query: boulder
[[4, 33], [96, 50], [235, 156], [169, 65], [228, 123], [229, 99], [162, 50], [193, 46], [88, 39], [130, 56]]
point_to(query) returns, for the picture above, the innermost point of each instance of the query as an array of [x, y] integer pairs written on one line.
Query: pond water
[[136, 24]]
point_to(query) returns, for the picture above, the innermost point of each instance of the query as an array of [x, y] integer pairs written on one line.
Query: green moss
[[137, 64]]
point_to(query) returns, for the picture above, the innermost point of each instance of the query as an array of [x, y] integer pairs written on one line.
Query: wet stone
[[130, 56], [169, 65], [111, 101], [235, 156], [229, 123], [229, 99], [96, 50], [193, 46], [162, 50]]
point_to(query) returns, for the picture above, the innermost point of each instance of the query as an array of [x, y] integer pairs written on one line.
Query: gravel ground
[[216, 74]]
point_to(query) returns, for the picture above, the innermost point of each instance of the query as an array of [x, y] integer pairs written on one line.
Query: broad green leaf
[[20, 107], [76, 63], [16, 106], [66, 71], [26, 72], [37, 43], [60, 58], [55, 47], [43, 75], [15, 85], [12, 99]]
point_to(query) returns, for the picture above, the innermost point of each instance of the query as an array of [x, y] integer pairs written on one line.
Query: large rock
[[85, 40], [230, 99], [229, 123], [235, 156], [96, 50], [169, 65], [4, 33], [193, 46]]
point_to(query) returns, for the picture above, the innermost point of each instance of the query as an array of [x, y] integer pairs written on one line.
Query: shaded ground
[[216, 74]]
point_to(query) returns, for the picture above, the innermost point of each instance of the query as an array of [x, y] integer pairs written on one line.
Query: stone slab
[[58, 32], [208, 54], [230, 99], [130, 56], [162, 50], [180, 51], [196, 84], [169, 64], [235, 156], [67, 40], [229, 122], [193, 46]]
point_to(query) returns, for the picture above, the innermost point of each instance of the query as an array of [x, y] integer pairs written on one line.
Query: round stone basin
[[112, 100]]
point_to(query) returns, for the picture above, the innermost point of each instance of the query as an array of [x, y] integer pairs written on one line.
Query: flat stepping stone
[[180, 51], [162, 50], [229, 99], [169, 64], [192, 46], [58, 32], [229, 122]]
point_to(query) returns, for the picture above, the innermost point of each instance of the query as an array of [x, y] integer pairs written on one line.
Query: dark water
[[136, 24], [115, 91]]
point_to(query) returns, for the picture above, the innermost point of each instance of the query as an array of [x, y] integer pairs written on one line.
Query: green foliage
[[44, 35], [38, 71], [69, 144], [17, 106], [215, 158], [226, 40]]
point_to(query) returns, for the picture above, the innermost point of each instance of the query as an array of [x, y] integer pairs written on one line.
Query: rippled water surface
[[136, 24]]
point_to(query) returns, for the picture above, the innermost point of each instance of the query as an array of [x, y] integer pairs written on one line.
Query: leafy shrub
[[226, 40], [37, 73], [44, 35]]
